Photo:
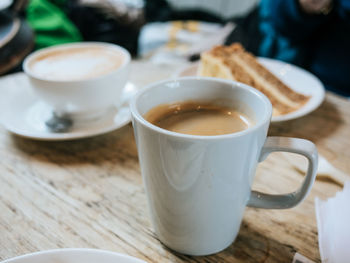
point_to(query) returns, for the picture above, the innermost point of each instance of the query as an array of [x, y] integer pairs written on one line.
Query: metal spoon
[[59, 124]]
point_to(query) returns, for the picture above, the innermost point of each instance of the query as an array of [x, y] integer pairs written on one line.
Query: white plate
[[74, 255], [296, 78], [24, 114]]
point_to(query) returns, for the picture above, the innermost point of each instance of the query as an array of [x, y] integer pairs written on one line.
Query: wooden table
[[89, 192]]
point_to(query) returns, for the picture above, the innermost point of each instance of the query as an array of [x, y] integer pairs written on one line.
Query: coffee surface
[[76, 63], [197, 118]]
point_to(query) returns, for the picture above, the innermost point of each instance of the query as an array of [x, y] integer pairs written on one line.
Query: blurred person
[[313, 34], [64, 21], [114, 21]]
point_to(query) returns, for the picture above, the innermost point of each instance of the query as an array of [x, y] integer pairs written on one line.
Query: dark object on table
[[108, 21], [247, 32], [16, 41], [161, 11]]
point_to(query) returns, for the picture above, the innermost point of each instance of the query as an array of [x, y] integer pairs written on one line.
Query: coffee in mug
[[198, 118]]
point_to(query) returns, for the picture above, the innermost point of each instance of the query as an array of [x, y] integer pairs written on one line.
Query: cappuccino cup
[[198, 186], [79, 80]]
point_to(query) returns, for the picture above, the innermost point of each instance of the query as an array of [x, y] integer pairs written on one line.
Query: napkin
[[333, 223], [324, 169]]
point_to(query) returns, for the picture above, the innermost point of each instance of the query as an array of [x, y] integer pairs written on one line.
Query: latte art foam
[[76, 63]]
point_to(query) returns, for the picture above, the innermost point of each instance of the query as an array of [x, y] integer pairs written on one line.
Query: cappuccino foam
[[76, 63]]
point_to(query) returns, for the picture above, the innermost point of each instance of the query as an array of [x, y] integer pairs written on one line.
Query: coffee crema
[[76, 63], [198, 118]]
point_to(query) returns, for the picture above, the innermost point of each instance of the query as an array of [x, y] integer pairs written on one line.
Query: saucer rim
[[67, 136], [67, 251]]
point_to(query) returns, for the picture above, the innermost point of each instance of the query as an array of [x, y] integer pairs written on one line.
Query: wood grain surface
[[89, 192]]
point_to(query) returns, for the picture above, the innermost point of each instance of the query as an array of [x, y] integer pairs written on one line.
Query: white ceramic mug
[[198, 186], [85, 98]]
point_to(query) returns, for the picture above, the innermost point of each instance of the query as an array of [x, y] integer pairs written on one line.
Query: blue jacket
[[318, 43]]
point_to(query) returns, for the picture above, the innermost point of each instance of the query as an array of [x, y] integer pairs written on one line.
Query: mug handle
[[293, 145]]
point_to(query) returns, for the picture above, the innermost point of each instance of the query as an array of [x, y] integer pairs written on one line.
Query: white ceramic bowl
[[74, 255]]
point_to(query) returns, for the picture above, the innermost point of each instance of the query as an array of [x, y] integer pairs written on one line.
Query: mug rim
[[33, 55], [135, 113]]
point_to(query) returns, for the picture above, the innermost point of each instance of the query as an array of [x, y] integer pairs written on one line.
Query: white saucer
[[296, 78], [25, 115]]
